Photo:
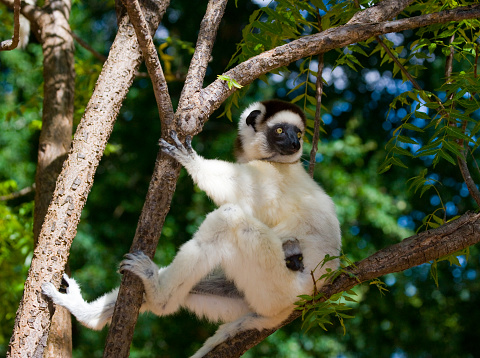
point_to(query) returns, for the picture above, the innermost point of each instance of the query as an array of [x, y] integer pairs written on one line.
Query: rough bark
[[76, 178], [55, 137], [74, 183], [162, 185], [413, 251], [157, 202], [325, 41]]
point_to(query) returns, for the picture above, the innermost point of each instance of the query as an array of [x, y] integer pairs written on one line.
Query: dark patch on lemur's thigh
[[216, 283]]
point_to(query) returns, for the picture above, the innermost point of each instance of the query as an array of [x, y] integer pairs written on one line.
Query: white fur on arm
[[217, 178]]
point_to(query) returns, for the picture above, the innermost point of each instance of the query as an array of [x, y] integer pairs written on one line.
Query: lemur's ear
[[252, 117]]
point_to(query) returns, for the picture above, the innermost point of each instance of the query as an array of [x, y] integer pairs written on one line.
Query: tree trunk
[[32, 322], [55, 138]]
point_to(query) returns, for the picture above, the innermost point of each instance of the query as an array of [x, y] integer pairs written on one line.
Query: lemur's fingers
[[139, 264]]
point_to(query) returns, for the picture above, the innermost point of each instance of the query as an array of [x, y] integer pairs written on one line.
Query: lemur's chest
[[274, 197]]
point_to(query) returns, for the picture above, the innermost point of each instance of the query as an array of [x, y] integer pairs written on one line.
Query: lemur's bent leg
[[246, 249], [217, 308], [167, 289]]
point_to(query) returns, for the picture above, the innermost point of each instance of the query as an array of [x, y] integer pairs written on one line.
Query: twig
[[461, 159], [8, 45], [398, 63], [18, 194], [86, 46], [462, 164], [472, 187], [318, 109], [98, 55]]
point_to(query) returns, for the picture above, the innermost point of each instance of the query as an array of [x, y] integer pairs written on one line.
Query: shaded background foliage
[[415, 318]]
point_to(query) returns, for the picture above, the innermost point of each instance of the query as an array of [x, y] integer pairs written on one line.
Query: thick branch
[[413, 251], [73, 186], [56, 136], [8, 45], [337, 37], [382, 11]]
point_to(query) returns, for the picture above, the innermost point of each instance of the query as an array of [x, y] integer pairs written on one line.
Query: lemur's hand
[[182, 153]]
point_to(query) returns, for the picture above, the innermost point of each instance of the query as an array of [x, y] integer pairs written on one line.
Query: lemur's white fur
[[261, 204]]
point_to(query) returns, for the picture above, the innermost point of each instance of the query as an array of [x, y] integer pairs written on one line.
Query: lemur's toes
[[188, 144]]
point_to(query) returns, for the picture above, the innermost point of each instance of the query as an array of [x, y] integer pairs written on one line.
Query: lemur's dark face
[[284, 138], [271, 130]]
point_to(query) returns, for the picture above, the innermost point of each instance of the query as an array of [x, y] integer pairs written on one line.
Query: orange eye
[[299, 135], [279, 130]]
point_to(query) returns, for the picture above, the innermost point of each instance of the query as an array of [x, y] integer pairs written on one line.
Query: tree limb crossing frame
[[197, 104]]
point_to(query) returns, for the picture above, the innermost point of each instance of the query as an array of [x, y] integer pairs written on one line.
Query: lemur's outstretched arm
[[222, 181]]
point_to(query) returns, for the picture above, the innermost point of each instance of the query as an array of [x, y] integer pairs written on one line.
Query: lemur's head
[[270, 130]]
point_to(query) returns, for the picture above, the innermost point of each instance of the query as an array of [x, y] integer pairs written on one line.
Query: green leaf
[[422, 115]]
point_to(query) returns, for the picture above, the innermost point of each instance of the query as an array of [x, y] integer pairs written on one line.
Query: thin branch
[[18, 194], [318, 109], [203, 51], [160, 88], [8, 45], [87, 47], [461, 159], [467, 177], [325, 41], [398, 63], [413, 251]]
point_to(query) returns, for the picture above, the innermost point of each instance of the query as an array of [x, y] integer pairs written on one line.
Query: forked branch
[[327, 40]]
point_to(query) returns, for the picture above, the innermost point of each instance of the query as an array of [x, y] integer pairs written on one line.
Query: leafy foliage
[[374, 121], [16, 250]]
